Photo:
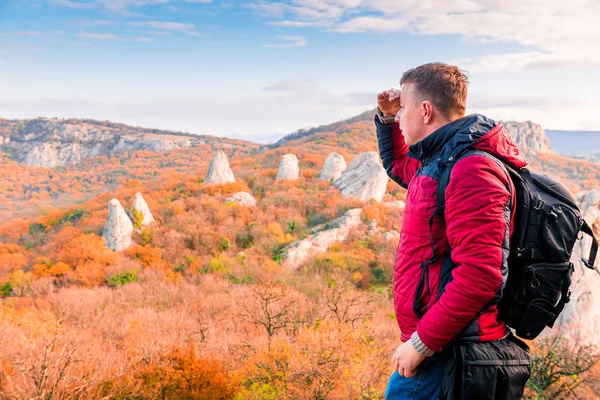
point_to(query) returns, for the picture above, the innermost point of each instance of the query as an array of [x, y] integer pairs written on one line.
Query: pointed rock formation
[[364, 178], [141, 210], [242, 198], [219, 171], [391, 235], [335, 231], [529, 136], [333, 167], [118, 227], [288, 168], [396, 204]]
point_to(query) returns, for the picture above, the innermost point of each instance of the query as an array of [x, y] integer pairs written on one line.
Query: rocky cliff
[[529, 136], [364, 178], [51, 142]]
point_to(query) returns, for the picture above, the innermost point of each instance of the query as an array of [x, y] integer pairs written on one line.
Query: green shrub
[[73, 216], [278, 253], [7, 289], [220, 263], [138, 217], [292, 227], [121, 278], [147, 236], [225, 243], [244, 239]]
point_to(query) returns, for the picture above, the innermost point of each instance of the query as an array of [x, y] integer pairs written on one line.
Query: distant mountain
[[593, 157], [52, 142], [262, 138], [574, 142], [337, 127], [528, 135]]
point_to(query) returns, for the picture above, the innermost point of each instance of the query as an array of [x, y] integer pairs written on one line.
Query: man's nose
[[397, 117]]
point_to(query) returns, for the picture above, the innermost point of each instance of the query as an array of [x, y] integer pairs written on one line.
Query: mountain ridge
[[115, 136], [51, 142], [128, 153]]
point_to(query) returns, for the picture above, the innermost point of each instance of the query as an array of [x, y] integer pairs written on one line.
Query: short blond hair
[[445, 86]]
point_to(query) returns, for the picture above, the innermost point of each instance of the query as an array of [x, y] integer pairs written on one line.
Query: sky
[[262, 69]]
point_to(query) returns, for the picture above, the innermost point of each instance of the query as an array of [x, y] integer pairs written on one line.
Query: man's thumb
[[411, 373]]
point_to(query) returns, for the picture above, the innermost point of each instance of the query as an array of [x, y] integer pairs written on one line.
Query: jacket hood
[[472, 131]]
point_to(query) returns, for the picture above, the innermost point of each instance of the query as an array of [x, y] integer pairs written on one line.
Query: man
[[449, 270]]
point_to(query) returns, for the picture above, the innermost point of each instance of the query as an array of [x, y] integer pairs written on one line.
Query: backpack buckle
[[588, 264], [430, 261]]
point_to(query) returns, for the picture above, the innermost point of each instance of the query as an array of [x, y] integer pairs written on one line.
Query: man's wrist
[[387, 120], [419, 346]]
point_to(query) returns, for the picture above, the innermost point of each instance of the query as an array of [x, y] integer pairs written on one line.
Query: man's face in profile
[[409, 117]]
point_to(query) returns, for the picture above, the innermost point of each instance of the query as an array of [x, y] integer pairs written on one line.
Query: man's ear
[[427, 110]]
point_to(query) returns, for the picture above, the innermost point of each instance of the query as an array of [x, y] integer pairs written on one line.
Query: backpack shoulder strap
[[592, 259], [441, 198], [445, 178]]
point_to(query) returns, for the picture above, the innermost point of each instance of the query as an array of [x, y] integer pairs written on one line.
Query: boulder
[[364, 178], [242, 198], [142, 209], [118, 227], [219, 172], [288, 168], [336, 231], [333, 167]]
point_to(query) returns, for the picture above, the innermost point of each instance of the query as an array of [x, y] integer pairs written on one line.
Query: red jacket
[[466, 278]]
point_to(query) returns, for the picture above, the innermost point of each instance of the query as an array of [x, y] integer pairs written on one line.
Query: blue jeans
[[425, 385]]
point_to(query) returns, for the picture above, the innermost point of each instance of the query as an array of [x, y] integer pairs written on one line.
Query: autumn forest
[[201, 306]]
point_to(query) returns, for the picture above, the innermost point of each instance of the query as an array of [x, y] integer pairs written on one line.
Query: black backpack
[[547, 225]]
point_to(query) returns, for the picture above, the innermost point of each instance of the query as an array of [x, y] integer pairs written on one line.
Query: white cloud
[[144, 39], [98, 36], [301, 24], [93, 22], [531, 60], [119, 5], [375, 24], [561, 33], [480, 100], [71, 4], [289, 41], [307, 11], [186, 29], [26, 33]]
